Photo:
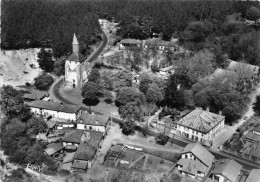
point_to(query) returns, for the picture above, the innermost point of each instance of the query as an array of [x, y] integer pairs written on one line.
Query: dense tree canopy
[[43, 82], [128, 95], [90, 94], [45, 60]]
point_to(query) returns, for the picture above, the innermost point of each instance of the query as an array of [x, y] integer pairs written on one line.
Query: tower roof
[[75, 40]]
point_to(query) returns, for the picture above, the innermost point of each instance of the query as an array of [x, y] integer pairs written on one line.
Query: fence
[[239, 154]]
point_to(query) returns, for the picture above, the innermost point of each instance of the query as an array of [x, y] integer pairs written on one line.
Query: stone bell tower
[[73, 67]]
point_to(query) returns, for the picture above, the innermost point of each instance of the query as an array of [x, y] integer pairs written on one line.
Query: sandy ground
[[18, 66]]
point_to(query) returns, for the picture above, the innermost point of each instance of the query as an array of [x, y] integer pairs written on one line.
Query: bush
[[162, 139], [43, 82]]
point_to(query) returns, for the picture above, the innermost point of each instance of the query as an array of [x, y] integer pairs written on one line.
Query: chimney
[[61, 104], [207, 109], [222, 163], [220, 113]]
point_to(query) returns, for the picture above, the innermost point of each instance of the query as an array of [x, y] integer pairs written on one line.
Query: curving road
[[55, 88]]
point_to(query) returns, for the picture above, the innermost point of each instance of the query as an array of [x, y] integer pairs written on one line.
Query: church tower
[[73, 67]]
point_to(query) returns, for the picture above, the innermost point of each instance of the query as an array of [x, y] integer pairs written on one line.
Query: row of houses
[[148, 44], [74, 136], [197, 162]]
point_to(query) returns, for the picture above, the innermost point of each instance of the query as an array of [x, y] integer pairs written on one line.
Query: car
[[245, 118]]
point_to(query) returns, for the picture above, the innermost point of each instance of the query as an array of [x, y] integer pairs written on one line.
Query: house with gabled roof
[[53, 149], [72, 139], [254, 176], [85, 155], [54, 109], [200, 125], [129, 43], [226, 170], [92, 121], [35, 95], [195, 161], [159, 44]]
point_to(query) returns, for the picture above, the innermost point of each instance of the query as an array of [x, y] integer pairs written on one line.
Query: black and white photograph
[[130, 91]]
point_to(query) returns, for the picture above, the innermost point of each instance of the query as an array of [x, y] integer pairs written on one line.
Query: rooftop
[[228, 168], [200, 120], [54, 106], [251, 149], [53, 148], [73, 136], [68, 157], [254, 176], [80, 164], [192, 166], [159, 42], [35, 95], [76, 57], [89, 145], [200, 152], [252, 136], [92, 119], [130, 41]]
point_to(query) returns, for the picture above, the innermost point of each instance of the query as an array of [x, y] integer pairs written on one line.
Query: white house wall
[[62, 115], [91, 127]]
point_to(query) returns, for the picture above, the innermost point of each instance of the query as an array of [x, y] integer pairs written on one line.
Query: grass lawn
[[173, 157]]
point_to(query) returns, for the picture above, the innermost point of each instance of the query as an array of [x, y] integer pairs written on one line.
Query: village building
[[159, 44], [73, 67], [92, 121], [54, 109], [253, 136], [54, 149], [129, 43], [200, 125], [35, 95], [85, 155], [226, 170], [254, 176], [195, 161], [72, 139]]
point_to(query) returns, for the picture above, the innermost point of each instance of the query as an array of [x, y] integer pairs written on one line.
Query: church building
[[73, 66]]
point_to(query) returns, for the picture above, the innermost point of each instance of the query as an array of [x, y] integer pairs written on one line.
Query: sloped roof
[[254, 176], [80, 164], [54, 106], [200, 120], [92, 119], [68, 157], [73, 136], [75, 40], [228, 168], [53, 148], [159, 42], [252, 136], [130, 41], [252, 149], [76, 57], [200, 152], [89, 145], [35, 94], [192, 166]]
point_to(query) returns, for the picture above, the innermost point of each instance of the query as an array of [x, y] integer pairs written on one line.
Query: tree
[[13, 104], [123, 79], [256, 105], [145, 81], [94, 75], [154, 94], [147, 109], [129, 94], [162, 139], [45, 60], [90, 93], [130, 112], [36, 125], [174, 96], [59, 66], [253, 13], [127, 127], [43, 82]]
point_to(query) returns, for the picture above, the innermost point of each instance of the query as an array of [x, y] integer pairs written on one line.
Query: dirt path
[[228, 131]]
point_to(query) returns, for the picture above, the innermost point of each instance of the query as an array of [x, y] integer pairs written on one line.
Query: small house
[[254, 176], [195, 161], [53, 149], [129, 43], [92, 121], [35, 95], [226, 170], [72, 139]]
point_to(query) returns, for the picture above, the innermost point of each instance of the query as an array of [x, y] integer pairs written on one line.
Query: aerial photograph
[[130, 91]]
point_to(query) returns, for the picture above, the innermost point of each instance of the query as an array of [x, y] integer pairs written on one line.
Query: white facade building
[[54, 109], [200, 125]]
